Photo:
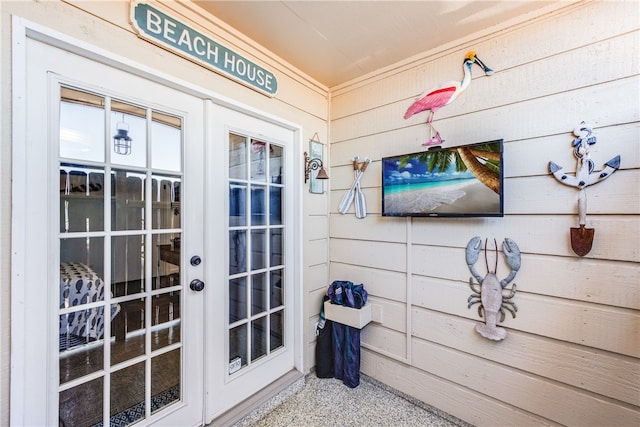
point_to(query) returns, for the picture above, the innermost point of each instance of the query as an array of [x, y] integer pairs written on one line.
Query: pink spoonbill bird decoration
[[445, 94]]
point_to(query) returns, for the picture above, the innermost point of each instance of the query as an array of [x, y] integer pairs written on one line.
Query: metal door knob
[[196, 285]]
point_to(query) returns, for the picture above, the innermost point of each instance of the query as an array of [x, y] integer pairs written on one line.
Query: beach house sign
[[160, 28]]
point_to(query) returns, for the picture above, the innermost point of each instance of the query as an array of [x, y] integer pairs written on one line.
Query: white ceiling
[[337, 41]]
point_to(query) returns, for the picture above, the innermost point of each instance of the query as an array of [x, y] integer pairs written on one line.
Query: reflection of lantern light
[[122, 140]]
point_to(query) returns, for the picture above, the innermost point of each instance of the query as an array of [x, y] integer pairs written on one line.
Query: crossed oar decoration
[[354, 194]]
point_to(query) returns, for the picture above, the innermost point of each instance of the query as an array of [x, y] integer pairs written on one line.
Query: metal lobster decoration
[[488, 290]]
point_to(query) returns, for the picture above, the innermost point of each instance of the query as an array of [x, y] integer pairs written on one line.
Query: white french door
[[250, 334], [108, 212], [155, 261]]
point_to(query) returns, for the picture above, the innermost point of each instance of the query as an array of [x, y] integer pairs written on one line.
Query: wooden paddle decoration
[[582, 237]]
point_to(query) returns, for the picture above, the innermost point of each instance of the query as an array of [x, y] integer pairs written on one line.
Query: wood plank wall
[[572, 354]]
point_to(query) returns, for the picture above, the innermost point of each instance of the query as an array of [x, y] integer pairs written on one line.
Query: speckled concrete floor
[[320, 402]]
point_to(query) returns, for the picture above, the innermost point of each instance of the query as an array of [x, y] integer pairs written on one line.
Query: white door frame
[[23, 29]]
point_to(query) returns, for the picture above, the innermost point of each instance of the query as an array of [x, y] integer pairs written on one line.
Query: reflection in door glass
[[90, 411], [167, 260], [129, 134], [237, 347], [258, 293], [259, 154], [81, 198], [80, 257], [237, 204], [237, 157], [82, 125], [275, 205], [165, 313], [166, 142], [237, 299], [277, 330], [132, 379], [258, 205], [165, 193], [128, 327], [127, 200], [120, 278], [277, 288], [74, 364], [258, 249], [276, 163], [277, 247], [166, 368], [255, 253], [258, 338], [237, 251], [127, 273]]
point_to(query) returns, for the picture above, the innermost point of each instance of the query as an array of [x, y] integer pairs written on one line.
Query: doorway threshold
[[274, 394]]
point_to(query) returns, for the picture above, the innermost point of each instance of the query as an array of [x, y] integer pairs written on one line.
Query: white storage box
[[354, 317]]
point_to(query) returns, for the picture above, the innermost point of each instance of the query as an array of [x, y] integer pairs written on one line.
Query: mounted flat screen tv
[[462, 181]]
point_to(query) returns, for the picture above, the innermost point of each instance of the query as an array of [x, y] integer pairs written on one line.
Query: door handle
[[196, 285]]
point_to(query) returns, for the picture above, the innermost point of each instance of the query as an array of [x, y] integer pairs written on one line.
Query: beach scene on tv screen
[[456, 181]]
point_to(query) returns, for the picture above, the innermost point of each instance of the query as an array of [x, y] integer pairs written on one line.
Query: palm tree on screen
[[483, 161]]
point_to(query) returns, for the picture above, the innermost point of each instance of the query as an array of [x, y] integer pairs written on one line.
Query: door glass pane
[[80, 353], [127, 393], [275, 205], [277, 288], [258, 338], [259, 151], [127, 200], [87, 413], [276, 245], [128, 328], [258, 249], [237, 299], [258, 205], [237, 157], [166, 320], [166, 137], [127, 272], [81, 198], [166, 260], [276, 163], [128, 134], [277, 330], [82, 125], [237, 204], [237, 251], [166, 390], [258, 293], [81, 259], [120, 260], [165, 193], [255, 251], [238, 346]]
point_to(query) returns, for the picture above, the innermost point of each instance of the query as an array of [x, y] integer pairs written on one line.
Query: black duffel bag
[[324, 345]]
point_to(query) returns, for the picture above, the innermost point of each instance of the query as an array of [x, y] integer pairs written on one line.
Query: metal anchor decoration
[[488, 291], [582, 237]]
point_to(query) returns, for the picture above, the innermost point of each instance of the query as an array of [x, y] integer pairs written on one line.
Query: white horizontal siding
[[573, 365], [571, 355]]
